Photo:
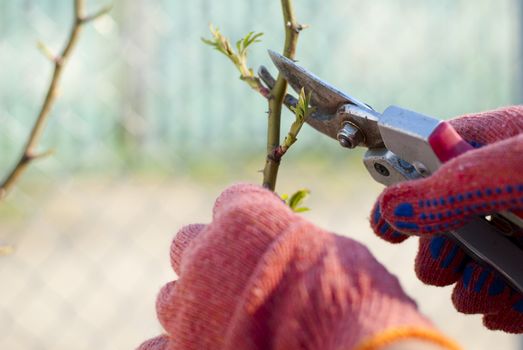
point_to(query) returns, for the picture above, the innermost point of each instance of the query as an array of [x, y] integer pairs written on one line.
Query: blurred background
[[151, 125]]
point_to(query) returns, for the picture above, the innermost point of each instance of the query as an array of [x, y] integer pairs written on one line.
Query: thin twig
[[302, 111], [238, 56], [292, 30], [29, 152], [102, 12]]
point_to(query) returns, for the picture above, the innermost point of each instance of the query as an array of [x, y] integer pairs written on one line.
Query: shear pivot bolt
[[381, 169], [349, 135]]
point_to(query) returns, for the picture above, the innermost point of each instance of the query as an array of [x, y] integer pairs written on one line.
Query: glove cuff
[[393, 335]]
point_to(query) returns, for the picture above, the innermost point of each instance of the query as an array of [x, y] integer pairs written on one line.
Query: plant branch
[[275, 90], [239, 56], [302, 111], [29, 152], [101, 12], [292, 30]]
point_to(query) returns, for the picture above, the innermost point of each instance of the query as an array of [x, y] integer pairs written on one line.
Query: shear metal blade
[[324, 96]]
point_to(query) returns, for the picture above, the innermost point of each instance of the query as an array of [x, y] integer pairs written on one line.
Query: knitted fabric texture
[[483, 181], [261, 277]]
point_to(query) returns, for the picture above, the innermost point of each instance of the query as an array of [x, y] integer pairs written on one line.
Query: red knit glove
[[482, 181], [261, 277]]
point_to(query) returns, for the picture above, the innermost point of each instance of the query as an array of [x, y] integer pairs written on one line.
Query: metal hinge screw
[[349, 135]]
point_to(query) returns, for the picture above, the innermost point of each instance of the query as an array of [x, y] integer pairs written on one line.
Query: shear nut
[[349, 135]]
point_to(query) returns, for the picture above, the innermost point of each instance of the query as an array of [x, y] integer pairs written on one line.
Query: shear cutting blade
[[324, 96]]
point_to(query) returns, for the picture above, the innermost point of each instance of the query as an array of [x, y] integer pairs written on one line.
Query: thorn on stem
[[29, 157], [47, 52], [296, 27], [301, 27], [45, 154], [89, 18]]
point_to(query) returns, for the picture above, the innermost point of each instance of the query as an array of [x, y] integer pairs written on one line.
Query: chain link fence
[[151, 124]]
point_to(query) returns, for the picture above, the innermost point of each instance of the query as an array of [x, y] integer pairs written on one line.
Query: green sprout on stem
[[296, 200], [302, 111], [239, 56]]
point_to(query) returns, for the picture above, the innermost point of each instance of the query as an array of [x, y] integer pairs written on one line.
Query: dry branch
[[29, 152]]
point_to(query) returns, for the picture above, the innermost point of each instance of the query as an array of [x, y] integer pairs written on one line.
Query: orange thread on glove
[[391, 336]]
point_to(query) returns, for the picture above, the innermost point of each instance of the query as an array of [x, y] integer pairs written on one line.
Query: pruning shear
[[403, 145]]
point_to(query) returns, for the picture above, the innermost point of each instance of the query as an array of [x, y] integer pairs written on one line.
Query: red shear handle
[[447, 143]]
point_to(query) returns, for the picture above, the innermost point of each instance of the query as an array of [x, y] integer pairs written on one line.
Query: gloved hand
[[259, 276], [482, 181]]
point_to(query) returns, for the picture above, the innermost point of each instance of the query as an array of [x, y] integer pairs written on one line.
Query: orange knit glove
[[260, 276]]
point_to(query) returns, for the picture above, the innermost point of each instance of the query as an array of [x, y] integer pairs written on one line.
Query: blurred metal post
[[137, 38]]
